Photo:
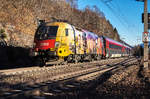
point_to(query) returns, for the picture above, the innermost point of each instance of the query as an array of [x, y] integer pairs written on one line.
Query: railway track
[[54, 67], [83, 74]]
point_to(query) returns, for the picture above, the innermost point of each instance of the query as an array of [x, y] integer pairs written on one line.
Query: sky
[[125, 15]]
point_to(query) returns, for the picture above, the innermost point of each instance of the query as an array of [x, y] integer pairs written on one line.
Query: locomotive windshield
[[46, 32]]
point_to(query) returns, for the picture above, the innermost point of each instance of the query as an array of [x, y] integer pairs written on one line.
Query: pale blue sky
[[125, 15]]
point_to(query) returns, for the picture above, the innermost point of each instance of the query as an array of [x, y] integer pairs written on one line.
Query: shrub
[[2, 34]]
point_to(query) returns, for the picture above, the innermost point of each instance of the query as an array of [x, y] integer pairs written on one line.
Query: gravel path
[[126, 82]]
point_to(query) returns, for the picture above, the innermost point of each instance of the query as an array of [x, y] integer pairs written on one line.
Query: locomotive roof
[[57, 23], [91, 33]]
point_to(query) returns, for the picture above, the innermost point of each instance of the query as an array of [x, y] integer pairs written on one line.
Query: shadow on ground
[[97, 89], [12, 57]]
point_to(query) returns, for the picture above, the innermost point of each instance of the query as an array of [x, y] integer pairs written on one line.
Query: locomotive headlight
[[57, 44]]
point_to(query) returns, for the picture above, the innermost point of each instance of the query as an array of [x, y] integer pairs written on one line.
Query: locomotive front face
[[53, 41], [45, 41], [45, 37]]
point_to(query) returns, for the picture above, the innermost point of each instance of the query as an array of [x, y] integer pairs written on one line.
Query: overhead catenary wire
[[120, 17]]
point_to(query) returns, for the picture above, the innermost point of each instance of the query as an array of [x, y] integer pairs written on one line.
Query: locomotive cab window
[[45, 32], [52, 31], [66, 31]]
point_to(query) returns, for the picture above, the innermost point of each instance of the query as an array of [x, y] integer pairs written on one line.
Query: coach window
[[67, 33]]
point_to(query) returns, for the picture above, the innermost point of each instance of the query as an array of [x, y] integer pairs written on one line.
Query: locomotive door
[[104, 46], [84, 42]]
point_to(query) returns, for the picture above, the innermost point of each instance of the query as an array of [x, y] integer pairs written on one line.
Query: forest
[[18, 19]]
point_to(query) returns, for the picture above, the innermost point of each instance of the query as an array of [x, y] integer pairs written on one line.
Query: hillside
[[19, 18]]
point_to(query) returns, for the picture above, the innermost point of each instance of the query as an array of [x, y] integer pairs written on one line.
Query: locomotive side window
[[115, 46], [67, 33]]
